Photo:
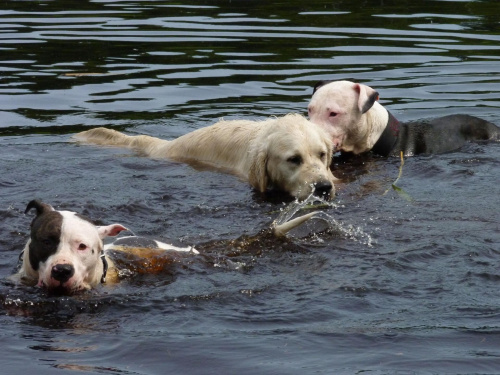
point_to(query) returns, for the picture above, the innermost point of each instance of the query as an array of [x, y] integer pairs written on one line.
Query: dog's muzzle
[[323, 188]]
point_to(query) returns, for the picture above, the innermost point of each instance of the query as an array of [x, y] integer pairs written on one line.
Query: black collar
[[104, 268], [388, 138]]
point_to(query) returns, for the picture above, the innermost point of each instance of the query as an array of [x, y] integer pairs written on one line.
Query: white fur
[[343, 109], [80, 246], [260, 152]]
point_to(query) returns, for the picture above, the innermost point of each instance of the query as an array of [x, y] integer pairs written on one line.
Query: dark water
[[394, 286]]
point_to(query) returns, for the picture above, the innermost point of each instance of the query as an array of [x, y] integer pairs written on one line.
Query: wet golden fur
[[288, 153]]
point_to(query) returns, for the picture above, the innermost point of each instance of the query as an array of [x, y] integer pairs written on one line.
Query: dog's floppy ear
[[257, 175], [110, 230], [39, 206], [367, 97], [330, 149], [320, 84]]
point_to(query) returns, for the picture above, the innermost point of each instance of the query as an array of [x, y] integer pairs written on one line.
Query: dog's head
[[293, 155], [64, 249], [338, 107]]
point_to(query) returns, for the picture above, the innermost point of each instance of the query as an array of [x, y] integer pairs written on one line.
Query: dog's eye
[[82, 246], [333, 114], [297, 159], [322, 155]]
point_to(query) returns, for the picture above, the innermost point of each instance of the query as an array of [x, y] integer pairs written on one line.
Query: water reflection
[[90, 65]]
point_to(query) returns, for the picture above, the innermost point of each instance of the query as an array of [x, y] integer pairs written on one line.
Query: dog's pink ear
[[367, 97], [110, 230]]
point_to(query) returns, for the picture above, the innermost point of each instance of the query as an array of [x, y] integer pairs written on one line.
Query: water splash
[[310, 203], [323, 211]]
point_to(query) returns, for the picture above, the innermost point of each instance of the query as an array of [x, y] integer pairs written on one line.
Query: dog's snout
[[323, 188], [62, 272]]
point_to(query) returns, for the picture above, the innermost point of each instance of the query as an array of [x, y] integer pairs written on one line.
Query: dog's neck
[[388, 138], [100, 272], [384, 130]]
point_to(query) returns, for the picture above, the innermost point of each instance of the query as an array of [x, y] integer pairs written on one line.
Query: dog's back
[[470, 127], [443, 134], [221, 145]]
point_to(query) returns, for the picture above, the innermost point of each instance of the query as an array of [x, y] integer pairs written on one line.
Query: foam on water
[[323, 213]]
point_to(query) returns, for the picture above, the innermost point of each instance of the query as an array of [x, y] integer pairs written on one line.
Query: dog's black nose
[[322, 188], [62, 272]]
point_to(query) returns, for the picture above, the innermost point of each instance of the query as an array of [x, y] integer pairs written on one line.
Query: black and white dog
[[65, 252], [357, 123]]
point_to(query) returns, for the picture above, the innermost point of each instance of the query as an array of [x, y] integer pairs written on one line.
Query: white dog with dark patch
[[357, 123], [65, 253], [287, 153]]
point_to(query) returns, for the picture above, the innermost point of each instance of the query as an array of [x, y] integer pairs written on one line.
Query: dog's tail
[[109, 137], [282, 229]]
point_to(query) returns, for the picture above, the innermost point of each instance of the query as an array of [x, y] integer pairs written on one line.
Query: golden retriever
[[288, 153]]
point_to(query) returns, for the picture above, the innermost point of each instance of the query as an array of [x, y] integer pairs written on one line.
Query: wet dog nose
[[322, 188], [62, 272]]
